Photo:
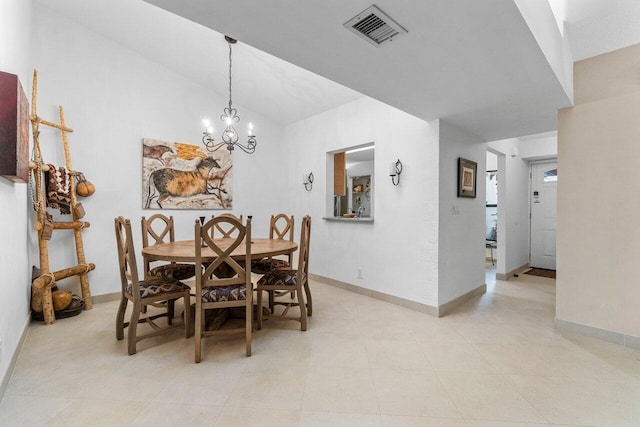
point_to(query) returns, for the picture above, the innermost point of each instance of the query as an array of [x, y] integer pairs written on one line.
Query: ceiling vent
[[375, 26]]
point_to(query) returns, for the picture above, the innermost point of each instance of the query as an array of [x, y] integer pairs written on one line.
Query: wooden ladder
[[47, 279]]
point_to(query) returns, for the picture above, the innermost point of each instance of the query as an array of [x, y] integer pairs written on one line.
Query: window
[[550, 176]]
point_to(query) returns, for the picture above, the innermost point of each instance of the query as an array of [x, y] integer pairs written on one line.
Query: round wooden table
[[185, 250]]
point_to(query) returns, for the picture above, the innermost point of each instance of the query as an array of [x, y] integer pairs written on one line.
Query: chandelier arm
[[249, 148], [209, 144]]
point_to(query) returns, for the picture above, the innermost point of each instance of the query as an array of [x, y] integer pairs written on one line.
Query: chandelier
[[229, 117]]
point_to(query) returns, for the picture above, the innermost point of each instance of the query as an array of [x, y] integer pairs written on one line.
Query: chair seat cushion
[[224, 293], [157, 286], [265, 265], [174, 271], [279, 278]]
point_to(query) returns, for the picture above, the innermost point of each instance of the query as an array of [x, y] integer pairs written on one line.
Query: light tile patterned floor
[[496, 361]]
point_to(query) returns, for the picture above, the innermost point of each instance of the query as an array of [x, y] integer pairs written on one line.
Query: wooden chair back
[[303, 250], [159, 228], [225, 229], [223, 253], [281, 227], [126, 257]]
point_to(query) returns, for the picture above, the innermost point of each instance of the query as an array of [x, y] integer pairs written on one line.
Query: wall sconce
[[395, 169], [307, 181]]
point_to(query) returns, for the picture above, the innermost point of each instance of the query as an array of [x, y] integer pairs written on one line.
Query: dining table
[[185, 250]]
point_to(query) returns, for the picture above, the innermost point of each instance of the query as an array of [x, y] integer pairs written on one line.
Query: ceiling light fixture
[[230, 115]]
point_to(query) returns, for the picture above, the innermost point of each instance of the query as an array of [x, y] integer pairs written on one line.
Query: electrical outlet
[[360, 273]]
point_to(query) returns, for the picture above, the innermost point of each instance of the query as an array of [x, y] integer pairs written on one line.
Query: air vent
[[374, 26]]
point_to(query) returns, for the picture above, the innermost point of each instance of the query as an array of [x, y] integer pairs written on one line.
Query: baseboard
[[512, 273], [14, 358], [423, 308], [630, 341], [115, 296], [402, 302], [448, 307]]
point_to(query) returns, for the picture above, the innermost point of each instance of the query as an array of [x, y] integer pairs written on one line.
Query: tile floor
[[495, 361]]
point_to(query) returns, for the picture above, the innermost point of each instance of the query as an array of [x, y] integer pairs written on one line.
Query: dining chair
[[160, 228], [144, 292], [290, 281], [280, 227], [222, 293]]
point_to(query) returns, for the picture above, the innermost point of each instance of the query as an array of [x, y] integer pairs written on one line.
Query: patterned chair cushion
[[174, 271], [224, 293], [265, 265], [157, 286], [279, 278]]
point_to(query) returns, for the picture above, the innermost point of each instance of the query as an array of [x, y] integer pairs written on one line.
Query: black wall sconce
[[395, 169], [307, 181]]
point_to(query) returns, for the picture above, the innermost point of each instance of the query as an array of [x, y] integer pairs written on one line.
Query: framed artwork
[[467, 172], [177, 175]]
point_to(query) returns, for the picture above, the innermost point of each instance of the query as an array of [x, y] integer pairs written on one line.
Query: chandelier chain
[[229, 75]]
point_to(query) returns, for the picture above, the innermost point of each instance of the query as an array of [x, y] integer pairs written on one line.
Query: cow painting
[[191, 182]]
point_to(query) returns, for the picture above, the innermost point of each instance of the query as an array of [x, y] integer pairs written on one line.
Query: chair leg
[[198, 333], [133, 326], [272, 296], [303, 310], [171, 310], [307, 292], [259, 309], [120, 318], [187, 315], [249, 325]]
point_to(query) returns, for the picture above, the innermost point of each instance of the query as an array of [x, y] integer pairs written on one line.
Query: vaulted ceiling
[[473, 63]]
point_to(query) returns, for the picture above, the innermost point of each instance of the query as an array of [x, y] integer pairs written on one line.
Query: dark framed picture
[[467, 173]]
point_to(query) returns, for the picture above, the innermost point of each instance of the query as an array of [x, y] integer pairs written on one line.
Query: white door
[[544, 201]]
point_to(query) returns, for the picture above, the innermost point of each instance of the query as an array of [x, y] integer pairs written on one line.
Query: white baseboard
[[115, 296], [14, 358], [512, 273], [403, 302], [626, 340]]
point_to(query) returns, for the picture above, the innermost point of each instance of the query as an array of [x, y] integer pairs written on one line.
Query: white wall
[[553, 43], [398, 253], [538, 147], [113, 98], [15, 30], [598, 233], [462, 220]]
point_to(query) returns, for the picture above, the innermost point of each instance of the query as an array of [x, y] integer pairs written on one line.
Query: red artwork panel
[[14, 129]]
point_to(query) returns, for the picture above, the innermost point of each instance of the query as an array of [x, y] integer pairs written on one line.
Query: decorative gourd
[[61, 299], [84, 188]]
